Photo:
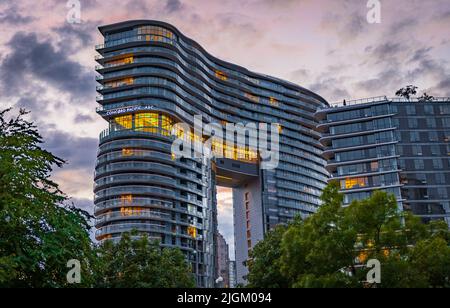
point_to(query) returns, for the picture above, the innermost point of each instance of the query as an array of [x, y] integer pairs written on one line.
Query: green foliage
[[329, 248], [407, 92], [264, 261], [139, 263], [39, 233]]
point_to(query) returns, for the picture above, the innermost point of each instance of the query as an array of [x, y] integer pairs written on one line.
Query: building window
[[419, 164], [252, 97], [374, 166], [431, 123], [437, 164], [433, 136], [444, 109], [413, 123], [446, 122], [166, 125], [122, 123], [417, 150], [410, 110], [414, 136], [351, 183], [435, 150], [429, 109], [442, 192], [221, 75], [273, 101], [147, 122], [440, 178]]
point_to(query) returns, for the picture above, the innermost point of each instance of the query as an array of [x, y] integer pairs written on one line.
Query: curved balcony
[[133, 190], [134, 166], [150, 132], [116, 180], [134, 143], [133, 154], [136, 202], [120, 215], [128, 227]]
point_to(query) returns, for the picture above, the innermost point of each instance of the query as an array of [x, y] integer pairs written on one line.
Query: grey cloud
[[84, 118], [76, 36], [402, 25], [31, 58], [12, 17], [331, 89], [420, 54], [300, 74], [387, 50], [173, 6], [78, 152]]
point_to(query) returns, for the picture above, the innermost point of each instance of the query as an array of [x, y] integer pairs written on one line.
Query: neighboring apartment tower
[[396, 145], [152, 76], [223, 260]]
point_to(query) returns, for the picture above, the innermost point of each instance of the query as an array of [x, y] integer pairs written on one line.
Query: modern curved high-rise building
[[152, 77]]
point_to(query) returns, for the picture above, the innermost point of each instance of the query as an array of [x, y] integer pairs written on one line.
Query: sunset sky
[[47, 64]]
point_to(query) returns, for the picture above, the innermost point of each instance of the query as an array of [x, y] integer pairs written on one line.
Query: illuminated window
[[147, 122], [280, 129], [120, 83], [221, 75], [123, 61], [273, 101], [130, 211], [192, 231], [126, 199], [122, 122], [354, 183], [127, 152], [166, 125], [156, 33]]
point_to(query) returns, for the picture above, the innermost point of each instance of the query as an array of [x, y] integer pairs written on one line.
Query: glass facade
[[151, 77], [394, 145]]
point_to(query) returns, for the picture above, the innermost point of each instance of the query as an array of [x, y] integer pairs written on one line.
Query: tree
[[140, 263], [39, 231], [425, 98], [331, 247], [264, 261], [407, 92]]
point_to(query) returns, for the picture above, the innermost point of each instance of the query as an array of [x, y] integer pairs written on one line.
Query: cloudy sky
[[47, 64]]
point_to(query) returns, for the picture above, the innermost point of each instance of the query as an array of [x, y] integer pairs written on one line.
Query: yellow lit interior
[[350, 183], [221, 75], [147, 122], [273, 101], [126, 199], [121, 82], [126, 121], [192, 231], [123, 61], [130, 211], [127, 152]]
